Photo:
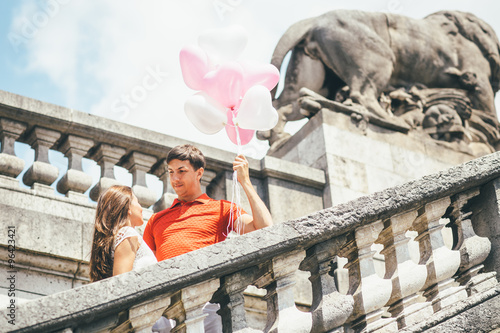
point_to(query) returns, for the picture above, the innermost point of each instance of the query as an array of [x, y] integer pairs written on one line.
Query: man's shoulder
[[220, 202], [158, 215]]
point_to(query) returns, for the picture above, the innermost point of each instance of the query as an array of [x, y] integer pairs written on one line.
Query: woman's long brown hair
[[111, 215]]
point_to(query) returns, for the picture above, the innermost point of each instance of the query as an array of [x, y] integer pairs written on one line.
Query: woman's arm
[[125, 255]]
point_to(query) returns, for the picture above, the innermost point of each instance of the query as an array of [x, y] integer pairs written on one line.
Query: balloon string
[[236, 197], [235, 212], [238, 139]]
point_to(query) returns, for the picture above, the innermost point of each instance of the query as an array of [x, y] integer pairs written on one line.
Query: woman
[[117, 247]]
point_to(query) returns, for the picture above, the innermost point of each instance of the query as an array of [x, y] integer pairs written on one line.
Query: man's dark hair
[[189, 153]]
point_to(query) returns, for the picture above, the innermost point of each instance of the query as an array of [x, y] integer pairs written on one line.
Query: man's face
[[184, 179]]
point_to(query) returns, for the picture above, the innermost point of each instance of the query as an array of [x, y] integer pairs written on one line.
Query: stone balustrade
[[427, 282], [112, 144], [417, 291]]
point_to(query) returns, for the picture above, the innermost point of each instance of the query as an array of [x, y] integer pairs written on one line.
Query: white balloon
[[223, 44], [256, 110], [206, 114]]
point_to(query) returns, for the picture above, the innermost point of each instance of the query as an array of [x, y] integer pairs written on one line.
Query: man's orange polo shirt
[[188, 226]]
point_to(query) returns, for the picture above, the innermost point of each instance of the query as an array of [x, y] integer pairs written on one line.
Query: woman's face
[[135, 212]]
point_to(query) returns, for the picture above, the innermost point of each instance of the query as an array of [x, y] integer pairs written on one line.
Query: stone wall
[[360, 158]]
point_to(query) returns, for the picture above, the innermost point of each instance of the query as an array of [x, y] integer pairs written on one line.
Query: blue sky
[[88, 55]]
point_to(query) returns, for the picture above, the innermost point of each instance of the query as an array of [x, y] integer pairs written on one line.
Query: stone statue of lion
[[374, 52]]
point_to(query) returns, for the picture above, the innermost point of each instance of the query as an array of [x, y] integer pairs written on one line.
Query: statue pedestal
[[361, 158]]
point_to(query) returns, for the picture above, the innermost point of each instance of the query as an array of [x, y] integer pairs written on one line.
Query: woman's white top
[[144, 255]]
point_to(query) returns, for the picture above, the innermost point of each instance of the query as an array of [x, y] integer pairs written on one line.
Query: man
[[194, 220]]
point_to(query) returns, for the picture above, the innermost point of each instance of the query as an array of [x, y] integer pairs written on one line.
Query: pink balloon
[[194, 66], [266, 75], [245, 135], [224, 84]]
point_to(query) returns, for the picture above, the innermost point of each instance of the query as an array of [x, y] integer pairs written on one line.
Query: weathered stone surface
[[356, 165], [347, 173], [61, 207], [476, 314], [10, 165], [232, 300], [10, 130], [329, 308], [401, 198], [36, 231], [41, 172], [144, 315], [101, 186], [300, 173], [40, 274], [283, 315], [482, 218], [289, 200], [407, 276], [74, 180], [139, 164]]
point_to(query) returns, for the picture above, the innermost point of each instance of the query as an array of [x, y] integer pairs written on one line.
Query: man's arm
[[261, 217], [148, 236]]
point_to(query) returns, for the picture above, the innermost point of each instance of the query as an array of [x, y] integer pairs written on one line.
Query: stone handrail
[[467, 196]]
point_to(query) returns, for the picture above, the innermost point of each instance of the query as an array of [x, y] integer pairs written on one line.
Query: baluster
[[485, 219], [370, 292], [186, 306], [10, 165], [75, 182], [407, 277], [473, 249], [143, 316], [139, 164], [114, 322], [206, 179], [106, 157], [232, 300], [329, 308], [41, 174], [442, 263], [282, 314], [168, 196]]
